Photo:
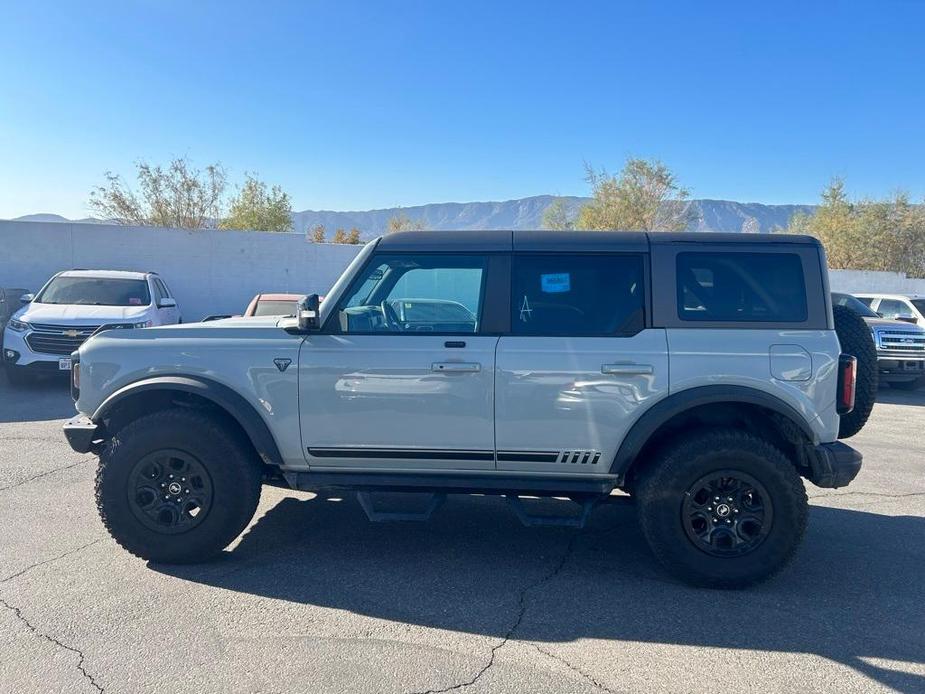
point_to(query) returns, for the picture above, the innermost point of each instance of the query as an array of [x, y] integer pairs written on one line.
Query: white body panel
[[553, 396], [237, 353], [390, 392], [706, 357]]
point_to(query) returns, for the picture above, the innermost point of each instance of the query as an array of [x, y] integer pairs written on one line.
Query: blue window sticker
[[556, 283]]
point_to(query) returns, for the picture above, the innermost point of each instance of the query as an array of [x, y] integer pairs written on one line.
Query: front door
[[400, 377], [579, 365]]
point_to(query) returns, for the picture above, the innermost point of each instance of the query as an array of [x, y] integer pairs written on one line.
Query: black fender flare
[[661, 412], [232, 403]]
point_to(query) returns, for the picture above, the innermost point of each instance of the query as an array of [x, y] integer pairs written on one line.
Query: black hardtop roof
[[588, 241]]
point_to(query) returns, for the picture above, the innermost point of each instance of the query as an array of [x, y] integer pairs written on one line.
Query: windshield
[[276, 308], [95, 291], [854, 304]]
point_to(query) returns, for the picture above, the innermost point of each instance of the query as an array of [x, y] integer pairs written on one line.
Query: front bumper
[[25, 356], [81, 433], [834, 465]]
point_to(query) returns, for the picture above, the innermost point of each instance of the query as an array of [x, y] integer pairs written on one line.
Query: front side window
[[95, 291], [415, 294], [920, 305], [572, 294], [741, 287]]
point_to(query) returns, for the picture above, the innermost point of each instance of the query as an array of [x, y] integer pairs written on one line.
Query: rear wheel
[[722, 509], [176, 486]]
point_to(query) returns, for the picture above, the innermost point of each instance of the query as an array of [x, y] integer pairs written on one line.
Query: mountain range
[[523, 213]]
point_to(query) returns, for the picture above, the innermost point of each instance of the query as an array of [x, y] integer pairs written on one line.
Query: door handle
[[626, 369], [456, 366]]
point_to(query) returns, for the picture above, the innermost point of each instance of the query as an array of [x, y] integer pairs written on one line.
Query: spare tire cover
[[856, 339]]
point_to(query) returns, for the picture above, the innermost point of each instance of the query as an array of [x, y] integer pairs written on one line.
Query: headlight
[[18, 325], [146, 324]]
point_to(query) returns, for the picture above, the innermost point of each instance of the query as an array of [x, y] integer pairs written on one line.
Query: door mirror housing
[[27, 298], [167, 302], [907, 318], [308, 313]]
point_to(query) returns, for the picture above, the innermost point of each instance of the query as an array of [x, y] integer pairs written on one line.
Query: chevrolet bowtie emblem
[[282, 364], [72, 333]]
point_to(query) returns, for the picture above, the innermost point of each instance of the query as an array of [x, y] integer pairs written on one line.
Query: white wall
[[220, 271], [859, 281], [208, 271]]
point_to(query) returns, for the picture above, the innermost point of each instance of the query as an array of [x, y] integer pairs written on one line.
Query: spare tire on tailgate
[[856, 340]]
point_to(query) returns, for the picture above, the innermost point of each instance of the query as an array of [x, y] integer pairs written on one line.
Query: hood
[[892, 324], [79, 314]]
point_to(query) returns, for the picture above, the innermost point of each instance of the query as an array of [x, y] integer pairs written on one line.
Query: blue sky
[[353, 105]]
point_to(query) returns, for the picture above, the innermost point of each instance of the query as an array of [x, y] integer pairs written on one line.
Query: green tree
[[317, 233], [340, 236], [179, 196], [886, 234], [353, 236], [402, 222], [645, 196], [257, 207], [557, 217]]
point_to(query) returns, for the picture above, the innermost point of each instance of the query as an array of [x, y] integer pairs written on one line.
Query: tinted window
[[854, 304], [95, 291], [920, 305], [890, 308], [866, 300], [566, 294], [742, 287], [408, 294], [162, 288], [276, 308]]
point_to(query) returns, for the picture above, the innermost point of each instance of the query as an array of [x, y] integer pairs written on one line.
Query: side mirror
[[907, 318], [308, 313], [27, 298], [167, 303]]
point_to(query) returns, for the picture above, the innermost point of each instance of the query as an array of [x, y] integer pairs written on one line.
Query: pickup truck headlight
[[145, 324], [18, 325]]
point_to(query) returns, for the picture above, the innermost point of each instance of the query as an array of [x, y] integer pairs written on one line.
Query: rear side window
[[571, 294], [741, 287]]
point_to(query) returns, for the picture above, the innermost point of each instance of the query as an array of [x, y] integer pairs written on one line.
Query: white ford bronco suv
[[699, 373]]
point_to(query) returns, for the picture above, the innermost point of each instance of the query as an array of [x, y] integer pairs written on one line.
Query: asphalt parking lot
[[314, 598]]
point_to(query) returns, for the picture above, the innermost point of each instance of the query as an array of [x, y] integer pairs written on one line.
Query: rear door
[[402, 376], [579, 365]]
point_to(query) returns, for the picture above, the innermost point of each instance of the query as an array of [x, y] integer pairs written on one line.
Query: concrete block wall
[[858, 281], [209, 271]]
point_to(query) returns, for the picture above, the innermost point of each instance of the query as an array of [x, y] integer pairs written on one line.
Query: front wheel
[[176, 486], [723, 509]]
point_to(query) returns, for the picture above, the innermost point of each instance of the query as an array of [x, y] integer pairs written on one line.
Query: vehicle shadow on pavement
[[894, 396], [45, 399], [854, 594]]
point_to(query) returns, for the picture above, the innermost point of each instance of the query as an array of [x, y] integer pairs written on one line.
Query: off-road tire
[[235, 479], [856, 340], [664, 487]]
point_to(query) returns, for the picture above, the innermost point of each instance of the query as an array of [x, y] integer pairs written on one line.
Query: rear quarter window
[[741, 287]]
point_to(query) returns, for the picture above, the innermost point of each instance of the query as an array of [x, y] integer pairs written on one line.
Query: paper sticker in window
[[556, 283]]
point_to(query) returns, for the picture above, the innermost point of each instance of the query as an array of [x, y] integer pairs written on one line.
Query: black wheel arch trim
[[243, 412], [664, 410]]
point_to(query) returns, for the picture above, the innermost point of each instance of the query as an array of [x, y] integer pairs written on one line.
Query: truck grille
[[901, 341], [58, 339]]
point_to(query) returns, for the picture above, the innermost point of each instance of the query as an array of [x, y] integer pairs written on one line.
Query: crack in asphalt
[[576, 670], [521, 612], [43, 474], [80, 656], [49, 561]]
